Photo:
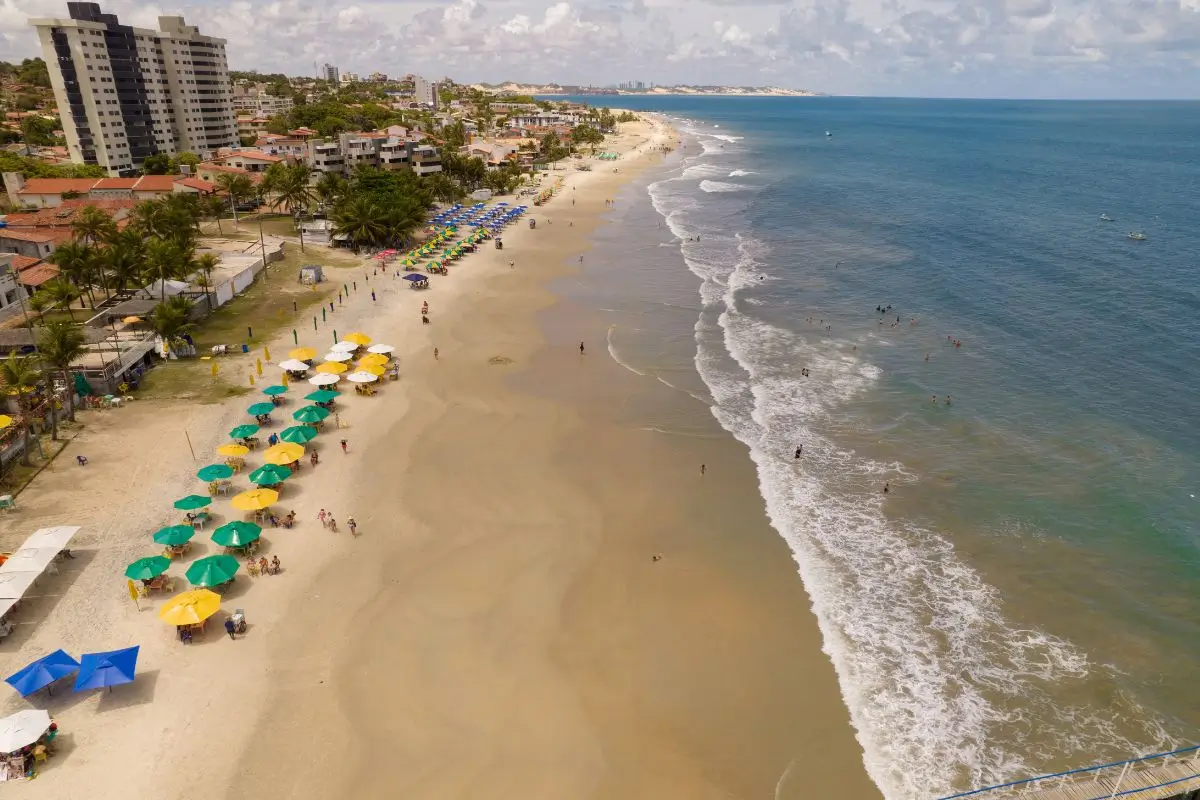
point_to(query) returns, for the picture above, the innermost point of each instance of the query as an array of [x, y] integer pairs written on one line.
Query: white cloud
[[860, 46]]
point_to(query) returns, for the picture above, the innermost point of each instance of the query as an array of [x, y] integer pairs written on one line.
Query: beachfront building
[[67, 193], [375, 149], [126, 93]]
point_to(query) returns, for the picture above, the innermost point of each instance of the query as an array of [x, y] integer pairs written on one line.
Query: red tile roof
[[38, 274], [154, 183], [62, 215], [215, 167], [21, 263], [57, 185], [198, 184], [115, 183], [257, 155], [27, 234]]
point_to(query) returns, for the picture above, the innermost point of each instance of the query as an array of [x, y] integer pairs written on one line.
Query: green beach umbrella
[[175, 535], [215, 472], [236, 534], [321, 396], [243, 432], [212, 570], [258, 409], [275, 390], [146, 568], [310, 414], [270, 474], [298, 434], [192, 502]]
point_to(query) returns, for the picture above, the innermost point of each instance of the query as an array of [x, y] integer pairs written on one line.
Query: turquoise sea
[[1026, 596]]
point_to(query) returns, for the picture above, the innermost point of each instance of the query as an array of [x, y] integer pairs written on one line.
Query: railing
[[1071, 775]]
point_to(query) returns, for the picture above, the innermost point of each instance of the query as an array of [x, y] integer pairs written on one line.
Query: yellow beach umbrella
[[358, 338], [255, 499], [190, 608], [5, 421], [234, 450], [283, 453], [332, 368], [374, 369], [373, 359], [302, 354]]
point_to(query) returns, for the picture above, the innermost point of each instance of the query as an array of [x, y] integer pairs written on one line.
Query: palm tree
[[172, 319], [56, 293], [205, 265], [331, 189], [238, 187], [20, 374], [93, 225], [212, 206], [294, 194], [363, 222], [125, 258], [61, 344], [165, 260], [76, 263]]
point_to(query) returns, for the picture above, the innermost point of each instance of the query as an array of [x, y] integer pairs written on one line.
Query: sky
[[926, 48]]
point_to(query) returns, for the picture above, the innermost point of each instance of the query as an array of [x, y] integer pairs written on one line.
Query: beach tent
[[111, 668]]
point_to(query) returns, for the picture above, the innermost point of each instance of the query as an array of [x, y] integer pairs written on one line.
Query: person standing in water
[[799, 451]]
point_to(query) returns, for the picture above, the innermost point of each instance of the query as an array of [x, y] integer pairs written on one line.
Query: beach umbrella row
[[95, 671]]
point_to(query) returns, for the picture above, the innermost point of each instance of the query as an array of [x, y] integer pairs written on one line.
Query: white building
[[349, 77], [126, 93], [425, 92], [253, 97]]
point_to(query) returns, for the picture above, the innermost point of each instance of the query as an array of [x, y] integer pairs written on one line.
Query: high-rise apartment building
[[330, 73], [126, 93], [425, 92]]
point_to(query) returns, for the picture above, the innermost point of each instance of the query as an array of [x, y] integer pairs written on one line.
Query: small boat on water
[[828, 135], [1105, 218], [1137, 236]]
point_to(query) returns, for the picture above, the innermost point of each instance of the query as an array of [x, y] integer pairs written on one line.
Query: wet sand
[[500, 629]]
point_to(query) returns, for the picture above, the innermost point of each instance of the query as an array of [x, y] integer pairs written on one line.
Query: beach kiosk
[[416, 281]]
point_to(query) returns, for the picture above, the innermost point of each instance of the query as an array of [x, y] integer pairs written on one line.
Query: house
[[36, 234], [282, 146], [10, 290], [252, 126], [30, 242], [249, 160], [56, 192], [194, 185], [33, 272], [543, 119], [302, 133]]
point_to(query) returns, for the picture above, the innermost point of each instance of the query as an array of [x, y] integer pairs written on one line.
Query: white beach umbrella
[[293, 365], [381, 349], [22, 728], [324, 379], [361, 377], [338, 355], [345, 347]]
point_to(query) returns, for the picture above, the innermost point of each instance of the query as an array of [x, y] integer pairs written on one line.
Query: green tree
[[171, 319], [331, 188], [443, 188], [156, 164], [211, 207], [92, 225], [204, 265], [56, 293], [362, 221], [238, 186], [36, 168], [165, 261], [20, 375], [294, 194], [61, 343], [77, 264], [190, 159], [124, 259]]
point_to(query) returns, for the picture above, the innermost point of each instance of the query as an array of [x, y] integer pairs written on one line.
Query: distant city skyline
[[988, 48]]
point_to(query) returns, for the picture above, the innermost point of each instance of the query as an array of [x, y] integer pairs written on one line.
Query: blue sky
[[987, 48]]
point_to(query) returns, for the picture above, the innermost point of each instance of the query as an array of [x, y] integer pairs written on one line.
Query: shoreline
[[497, 629]]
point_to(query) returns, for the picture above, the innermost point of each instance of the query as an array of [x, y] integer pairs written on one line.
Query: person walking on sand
[[313, 458], [581, 348], [332, 523], [435, 354], [323, 515], [703, 468], [353, 526], [345, 446]]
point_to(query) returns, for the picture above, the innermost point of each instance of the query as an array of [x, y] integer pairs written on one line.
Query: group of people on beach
[[329, 523]]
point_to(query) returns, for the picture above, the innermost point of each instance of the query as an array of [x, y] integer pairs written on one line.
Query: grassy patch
[[189, 380]]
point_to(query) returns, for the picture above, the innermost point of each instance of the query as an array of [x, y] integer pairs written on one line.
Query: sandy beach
[[499, 628]]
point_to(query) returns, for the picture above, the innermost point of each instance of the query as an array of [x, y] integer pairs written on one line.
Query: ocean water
[[1026, 596]]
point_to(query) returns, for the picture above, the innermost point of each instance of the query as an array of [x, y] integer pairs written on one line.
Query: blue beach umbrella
[[97, 670], [41, 673]]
